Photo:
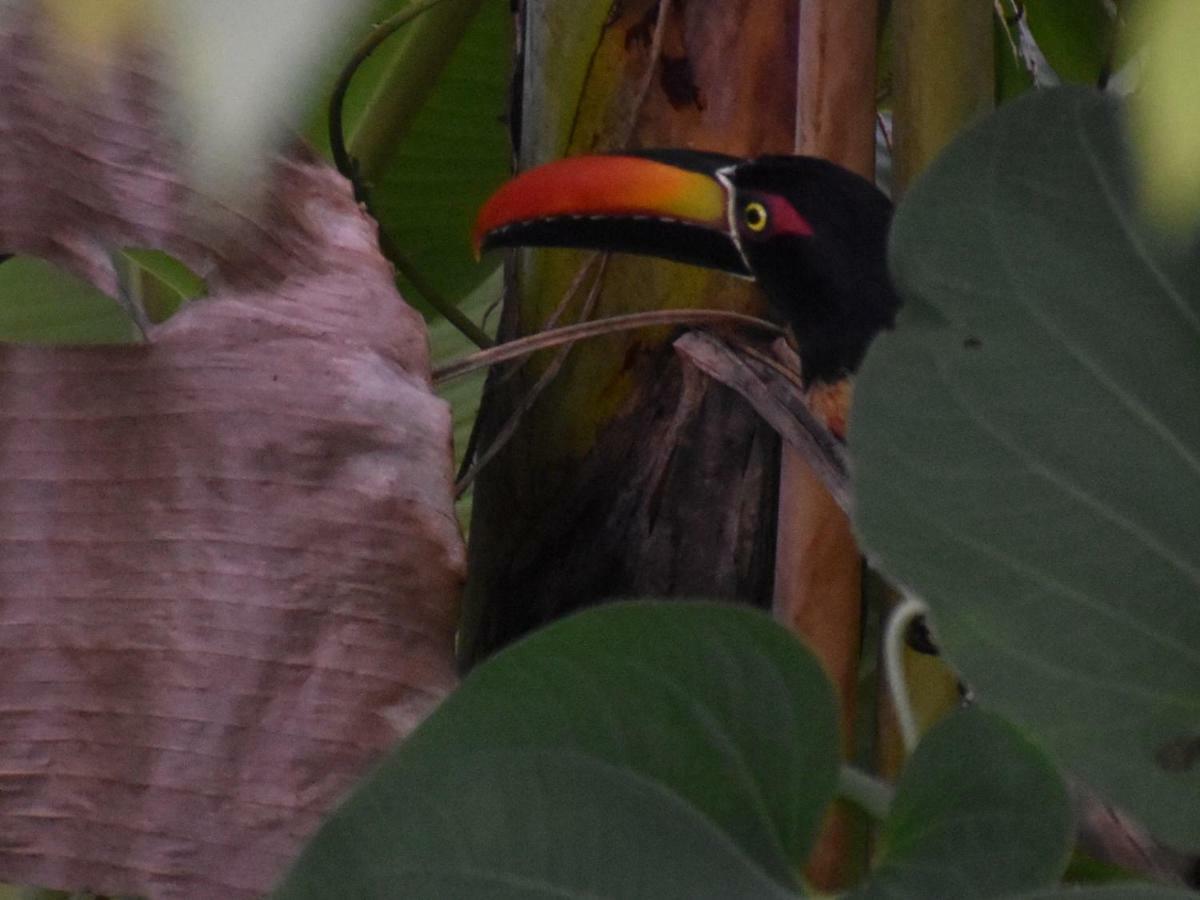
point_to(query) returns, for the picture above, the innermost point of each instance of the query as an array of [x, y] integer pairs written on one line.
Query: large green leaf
[[711, 709], [979, 812], [527, 824], [1027, 447]]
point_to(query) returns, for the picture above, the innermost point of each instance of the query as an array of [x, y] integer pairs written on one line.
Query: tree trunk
[[630, 475]]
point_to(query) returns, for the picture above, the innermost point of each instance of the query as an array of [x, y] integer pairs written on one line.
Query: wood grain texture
[[229, 562]]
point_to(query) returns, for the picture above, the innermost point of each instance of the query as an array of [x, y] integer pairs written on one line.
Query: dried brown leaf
[[229, 562]]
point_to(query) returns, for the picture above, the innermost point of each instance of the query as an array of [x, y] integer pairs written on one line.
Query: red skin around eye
[[785, 219]]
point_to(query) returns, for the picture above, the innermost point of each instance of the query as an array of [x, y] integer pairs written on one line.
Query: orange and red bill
[[669, 204]]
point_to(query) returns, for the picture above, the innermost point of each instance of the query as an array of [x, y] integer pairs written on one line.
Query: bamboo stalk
[[818, 583]]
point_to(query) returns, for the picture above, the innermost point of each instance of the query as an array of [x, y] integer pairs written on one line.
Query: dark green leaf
[[1028, 447], [526, 824], [456, 152], [718, 707], [979, 812], [452, 150], [1075, 36]]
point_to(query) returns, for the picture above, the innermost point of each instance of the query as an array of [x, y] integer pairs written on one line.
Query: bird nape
[[811, 234]]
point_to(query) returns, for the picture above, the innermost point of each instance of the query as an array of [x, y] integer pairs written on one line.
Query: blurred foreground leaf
[[1027, 447]]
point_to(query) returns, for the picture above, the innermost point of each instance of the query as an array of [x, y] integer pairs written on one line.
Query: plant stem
[[868, 793], [432, 295], [555, 337], [893, 659]]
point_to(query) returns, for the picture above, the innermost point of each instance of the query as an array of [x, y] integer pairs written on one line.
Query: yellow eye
[[755, 216]]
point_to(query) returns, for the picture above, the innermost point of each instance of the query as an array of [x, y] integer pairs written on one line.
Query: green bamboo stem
[[945, 77]]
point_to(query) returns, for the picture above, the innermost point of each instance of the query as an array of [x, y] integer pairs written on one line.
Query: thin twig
[[505, 434], [1004, 23], [445, 307], [468, 469], [349, 168], [555, 337], [776, 395], [887, 136], [509, 429], [564, 304], [656, 44]]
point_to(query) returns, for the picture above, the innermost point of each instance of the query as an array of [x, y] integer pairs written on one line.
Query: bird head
[[812, 235]]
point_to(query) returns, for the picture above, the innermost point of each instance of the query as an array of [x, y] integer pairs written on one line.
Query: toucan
[[811, 234]]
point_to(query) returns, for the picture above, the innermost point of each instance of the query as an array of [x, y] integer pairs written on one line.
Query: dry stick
[[656, 44], [468, 469], [349, 169], [568, 295], [505, 434], [556, 337], [573, 289], [998, 6], [771, 389]]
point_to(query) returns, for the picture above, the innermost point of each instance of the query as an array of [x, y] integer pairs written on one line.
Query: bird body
[[811, 234]]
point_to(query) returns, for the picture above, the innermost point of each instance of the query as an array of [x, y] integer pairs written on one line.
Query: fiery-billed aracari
[[810, 233]]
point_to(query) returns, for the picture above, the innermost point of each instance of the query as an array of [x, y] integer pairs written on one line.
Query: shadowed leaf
[[713, 709], [1027, 449], [979, 812]]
